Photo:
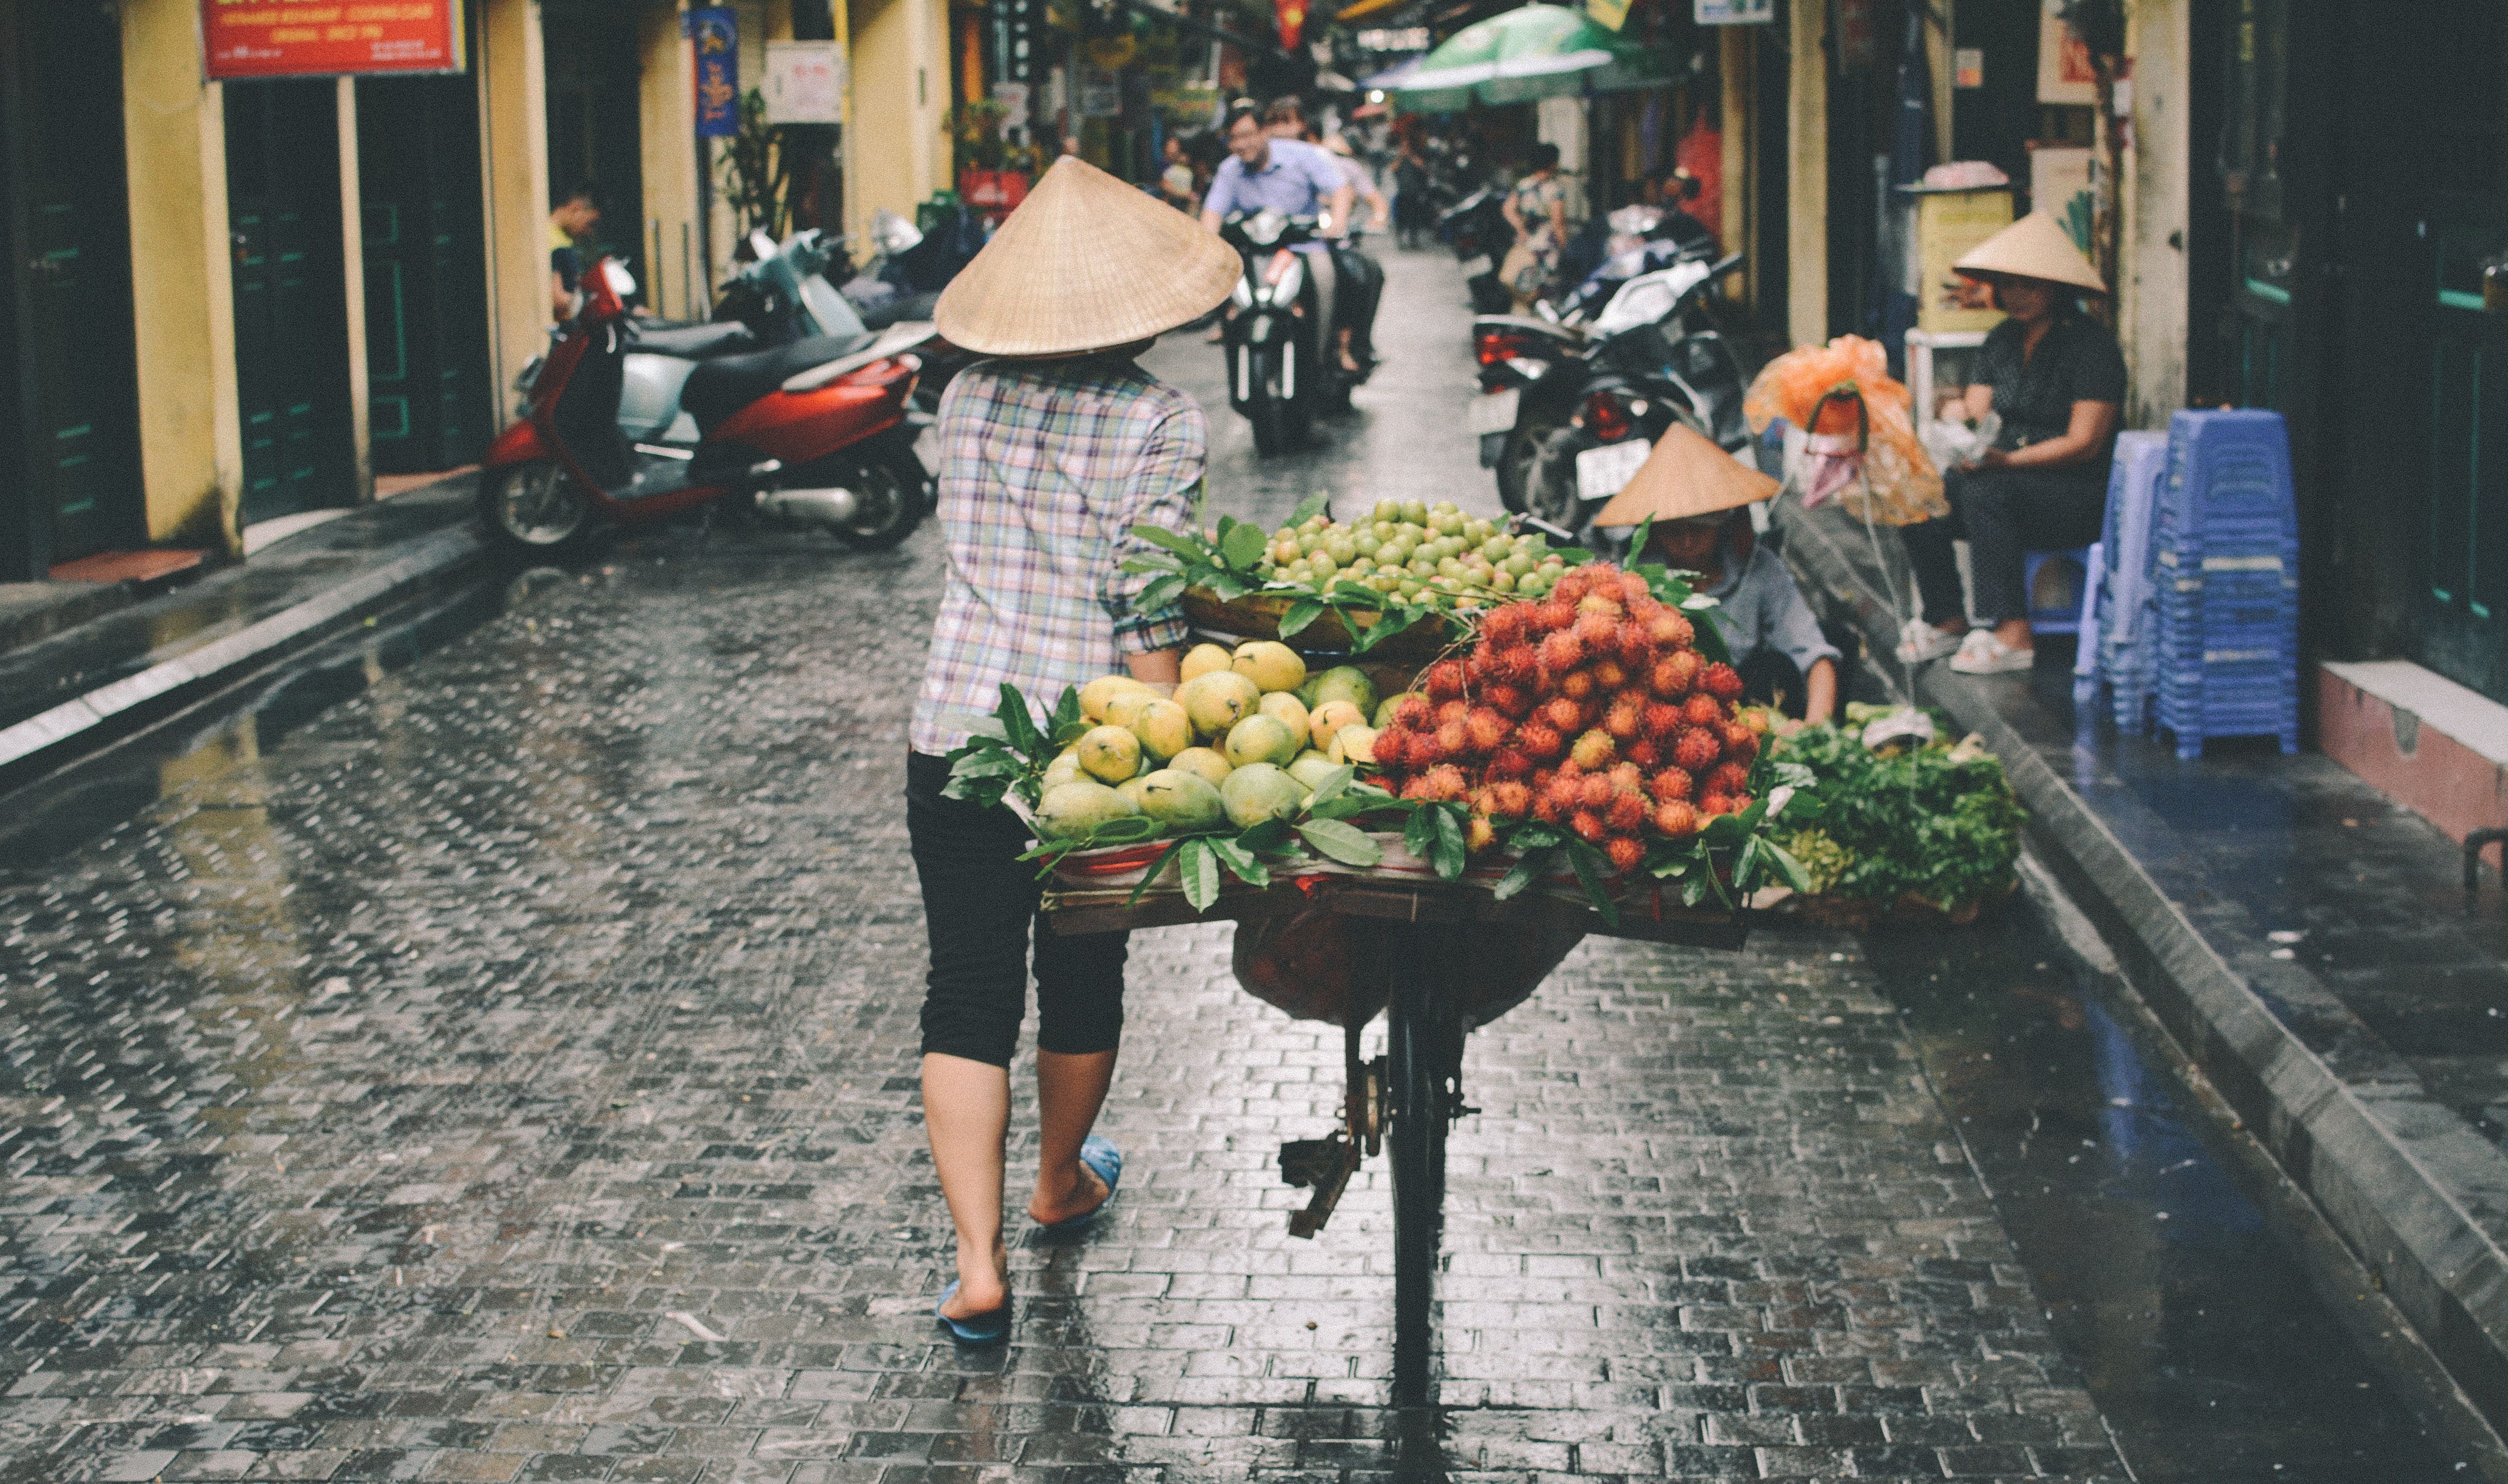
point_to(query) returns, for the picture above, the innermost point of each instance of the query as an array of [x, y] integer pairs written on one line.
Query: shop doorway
[[429, 401], [290, 297], [70, 464], [595, 127]]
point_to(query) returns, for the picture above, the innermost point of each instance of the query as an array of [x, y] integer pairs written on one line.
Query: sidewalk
[[111, 673], [2306, 941]]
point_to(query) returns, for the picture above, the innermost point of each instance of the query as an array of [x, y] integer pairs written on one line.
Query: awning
[[1533, 51]]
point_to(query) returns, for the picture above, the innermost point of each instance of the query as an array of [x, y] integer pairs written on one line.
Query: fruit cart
[[1442, 959]]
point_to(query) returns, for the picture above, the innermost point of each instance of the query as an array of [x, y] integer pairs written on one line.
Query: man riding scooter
[[1296, 179]]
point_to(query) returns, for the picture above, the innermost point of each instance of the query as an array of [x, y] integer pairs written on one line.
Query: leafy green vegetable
[[1928, 822]]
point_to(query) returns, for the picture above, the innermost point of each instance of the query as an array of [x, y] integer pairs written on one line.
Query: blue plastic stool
[[2061, 613]]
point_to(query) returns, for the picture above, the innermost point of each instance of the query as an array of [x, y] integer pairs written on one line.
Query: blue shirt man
[[1294, 179]]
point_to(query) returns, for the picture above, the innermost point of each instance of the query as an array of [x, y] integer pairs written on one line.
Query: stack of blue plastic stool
[[2117, 604], [2225, 574]]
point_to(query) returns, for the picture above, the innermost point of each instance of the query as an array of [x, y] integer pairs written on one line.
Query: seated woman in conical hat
[[1051, 453], [1697, 496], [2056, 377]]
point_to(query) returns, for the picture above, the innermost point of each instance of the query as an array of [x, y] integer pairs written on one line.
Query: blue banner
[[715, 33]]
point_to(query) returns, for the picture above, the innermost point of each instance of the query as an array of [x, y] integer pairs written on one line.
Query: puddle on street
[[2195, 1329]]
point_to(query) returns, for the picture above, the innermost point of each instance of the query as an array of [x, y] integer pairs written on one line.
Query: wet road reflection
[[2211, 1356]]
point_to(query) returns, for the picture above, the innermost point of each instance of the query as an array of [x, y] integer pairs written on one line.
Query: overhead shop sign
[[1736, 11], [329, 38]]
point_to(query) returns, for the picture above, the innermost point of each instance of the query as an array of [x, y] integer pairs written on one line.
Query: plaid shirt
[[1044, 469]]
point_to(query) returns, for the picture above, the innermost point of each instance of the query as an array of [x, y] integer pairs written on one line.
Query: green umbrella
[[1534, 52]]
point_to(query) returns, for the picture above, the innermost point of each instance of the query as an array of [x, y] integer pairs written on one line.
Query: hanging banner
[[1736, 11], [329, 38], [805, 82], [1292, 17], [715, 32]]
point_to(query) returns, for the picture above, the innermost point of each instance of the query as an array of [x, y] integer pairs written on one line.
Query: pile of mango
[[1245, 738]]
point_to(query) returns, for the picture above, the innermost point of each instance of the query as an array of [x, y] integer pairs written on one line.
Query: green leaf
[[1528, 868], [1227, 524], [1266, 838], [1333, 785], [1243, 546], [1724, 830], [1182, 545], [1346, 807], [1159, 564], [1130, 829], [1350, 593], [1638, 539], [1790, 869], [990, 762], [1067, 710], [1316, 504], [1390, 622], [1240, 862], [1157, 864], [1571, 556], [1587, 863], [1201, 869], [1018, 723], [1448, 854], [1305, 611], [1226, 587], [1344, 843], [1747, 862], [1161, 593]]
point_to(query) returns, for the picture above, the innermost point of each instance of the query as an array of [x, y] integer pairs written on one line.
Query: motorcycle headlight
[[1243, 294], [1285, 279]]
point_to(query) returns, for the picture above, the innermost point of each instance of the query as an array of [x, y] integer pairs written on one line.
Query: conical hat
[[1086, 262], [2036, 246], [1685, 476]]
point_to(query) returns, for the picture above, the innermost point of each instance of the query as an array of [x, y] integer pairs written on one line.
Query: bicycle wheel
[[1423, 1056]]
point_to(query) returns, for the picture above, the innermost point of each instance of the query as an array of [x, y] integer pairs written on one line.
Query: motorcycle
[[788, 293], [1477, 230], [1277, 330], [810, 434], [1654, 356]]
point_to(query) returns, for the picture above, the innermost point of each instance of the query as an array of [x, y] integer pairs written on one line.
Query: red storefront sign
[[328, 38]]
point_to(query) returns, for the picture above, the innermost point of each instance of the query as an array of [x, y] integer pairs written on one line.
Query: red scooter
[[811, 434]]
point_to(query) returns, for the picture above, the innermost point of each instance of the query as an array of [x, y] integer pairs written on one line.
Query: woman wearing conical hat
[[1696, 495], [2056, 381], [1051, 453]]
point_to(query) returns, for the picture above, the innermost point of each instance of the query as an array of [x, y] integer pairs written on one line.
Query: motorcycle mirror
[[621, 283], [761, 244]]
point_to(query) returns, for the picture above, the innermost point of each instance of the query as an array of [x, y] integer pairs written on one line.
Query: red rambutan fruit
[[1589, 826], [1573, 584], [1721, 681], [1644, 754], [1608, 674], [1509, 762], [1546, 809], [1482, 663], [1670, 628], [1601, 601], [1577, 685], [1741, 743], [1673, 673], [1626, 778], [1625, 851], [1705, 711], [1504, 626], [1566, 791], [1593, 791], [1485, 730], [1517, 664], [1677, 818], [1628, 813], [1417, 788], [1412, 711], [1756, 721], [1635, 645], [1696, 751], [1662, 720], [1562, 652], [1594, 750], [1539, 740], [1560, 714], [1633, 587], [1718, 804], [1670, 786], [1509, 799], [1507, 698], [1479, 834], [1393, 748], [1446, 782], [1597, 630], [1445, 680], [1453, 742], [1553, 614], [1623, 721], [1729, 779], [1452, 711]]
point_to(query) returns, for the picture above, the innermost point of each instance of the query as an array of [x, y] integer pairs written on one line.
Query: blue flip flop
[[1104, 1161], [988, 1328]]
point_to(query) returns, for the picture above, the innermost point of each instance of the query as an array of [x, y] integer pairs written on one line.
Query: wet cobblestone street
[[509, 1074]]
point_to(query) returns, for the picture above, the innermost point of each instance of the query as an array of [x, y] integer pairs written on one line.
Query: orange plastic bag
[[1899, 485]]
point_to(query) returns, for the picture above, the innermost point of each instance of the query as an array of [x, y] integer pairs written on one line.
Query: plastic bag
[[1899, 485]]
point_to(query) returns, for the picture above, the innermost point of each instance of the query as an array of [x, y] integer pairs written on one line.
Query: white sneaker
[[1920, 642], [1982, 654]]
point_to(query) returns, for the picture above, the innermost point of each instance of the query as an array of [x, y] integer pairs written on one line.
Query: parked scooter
[[810, 434], [1653, 357], [1284, 372], [1476, 228], [790, 292]]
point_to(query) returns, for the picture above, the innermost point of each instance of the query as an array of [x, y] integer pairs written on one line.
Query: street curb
[[113, 710], [2365, 1142]]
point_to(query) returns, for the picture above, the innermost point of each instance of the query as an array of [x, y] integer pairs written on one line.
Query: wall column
[[182, 277], [353, 267], [513, 170], [2152, 282], [667, 106], [1807, 172], [1738, 53]]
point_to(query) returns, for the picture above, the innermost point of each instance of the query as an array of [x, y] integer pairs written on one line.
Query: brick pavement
[[510, 1076]]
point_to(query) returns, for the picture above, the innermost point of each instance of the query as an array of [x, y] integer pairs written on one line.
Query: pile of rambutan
[[1590, 710]]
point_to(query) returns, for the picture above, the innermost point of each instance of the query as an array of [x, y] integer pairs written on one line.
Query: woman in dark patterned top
[[2056, 381]]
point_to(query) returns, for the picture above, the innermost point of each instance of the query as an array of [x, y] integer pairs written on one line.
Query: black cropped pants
[[2003, 513], [980, 910]]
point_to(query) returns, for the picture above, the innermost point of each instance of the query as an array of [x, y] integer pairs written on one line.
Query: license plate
[[1474, 267], [1603, 472], [1493, 412]]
